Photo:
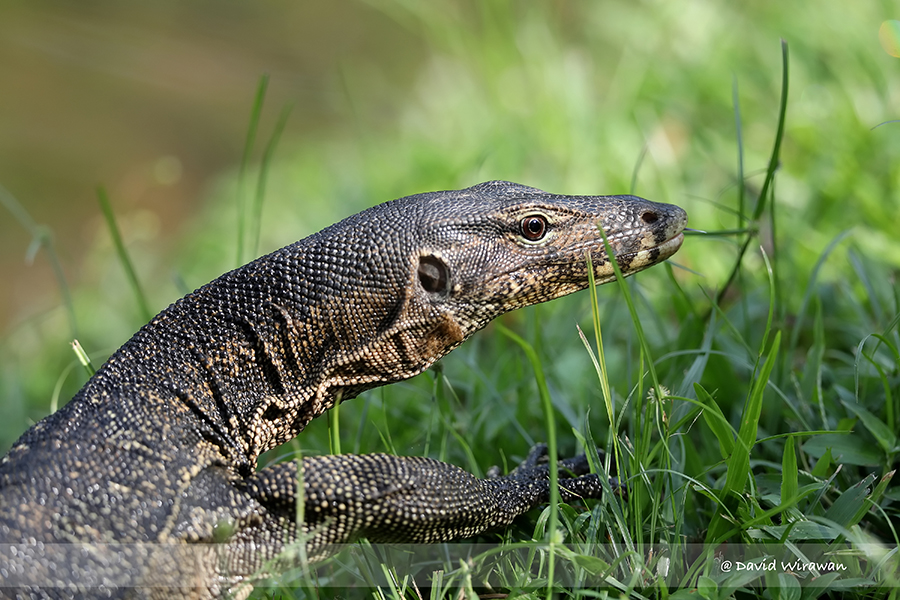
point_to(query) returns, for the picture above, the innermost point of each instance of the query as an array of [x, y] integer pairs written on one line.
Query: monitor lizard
[[159, 449]]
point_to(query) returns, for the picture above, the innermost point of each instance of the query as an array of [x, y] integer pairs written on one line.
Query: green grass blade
[[779, 134], [815, 365], [698, 366], [83, 358], [862, 275], [811, 288], [851, 505], [255, 113], [739, 138], [61, 380], [770, 171], [889, 408], [552, 455], [41, 237], [122, 253], [739, 462], [256, 219], [886, 438], [600, 363], [882, 486], [629, 301], [334, 425], [789, 471], [643, 435], [713, 417], [772, 299], [820, 469], [300, 511]]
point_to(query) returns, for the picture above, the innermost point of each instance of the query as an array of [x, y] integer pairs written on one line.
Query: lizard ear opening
[[434, 275]]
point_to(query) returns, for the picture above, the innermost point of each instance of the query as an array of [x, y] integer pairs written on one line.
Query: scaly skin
[[160, 447]]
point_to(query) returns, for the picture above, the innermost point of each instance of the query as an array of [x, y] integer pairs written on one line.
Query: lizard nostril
[[649, 217]]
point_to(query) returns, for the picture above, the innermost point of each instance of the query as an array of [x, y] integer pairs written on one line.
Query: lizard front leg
[[388, 498]]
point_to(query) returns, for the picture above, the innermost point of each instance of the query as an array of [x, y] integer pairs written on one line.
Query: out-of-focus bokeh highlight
[[889, 35]]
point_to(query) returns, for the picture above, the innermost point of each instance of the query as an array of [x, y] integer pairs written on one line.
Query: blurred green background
[[393, 97]]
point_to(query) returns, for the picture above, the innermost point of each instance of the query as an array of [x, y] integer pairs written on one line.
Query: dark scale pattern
[[160, 447]]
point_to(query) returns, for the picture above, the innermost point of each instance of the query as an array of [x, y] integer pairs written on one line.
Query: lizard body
[[160, 446]]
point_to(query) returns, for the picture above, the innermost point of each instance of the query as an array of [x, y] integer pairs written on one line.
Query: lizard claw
[[575, 477]]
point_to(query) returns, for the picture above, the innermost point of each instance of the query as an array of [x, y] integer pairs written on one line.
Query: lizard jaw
[[670, 246]]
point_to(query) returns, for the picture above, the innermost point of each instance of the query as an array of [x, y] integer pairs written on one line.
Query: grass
[[748, 399]]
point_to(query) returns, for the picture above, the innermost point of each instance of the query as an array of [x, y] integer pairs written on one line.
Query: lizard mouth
[[632, 262], [670, 246]]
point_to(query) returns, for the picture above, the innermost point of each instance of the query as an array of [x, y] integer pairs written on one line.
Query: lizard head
[[499, 246], [421, 274]]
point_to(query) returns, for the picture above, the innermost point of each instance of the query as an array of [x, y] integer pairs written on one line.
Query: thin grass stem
[[122, 254], [255, 113]]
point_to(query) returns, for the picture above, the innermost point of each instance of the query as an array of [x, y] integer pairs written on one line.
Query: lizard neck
[[251, 358]]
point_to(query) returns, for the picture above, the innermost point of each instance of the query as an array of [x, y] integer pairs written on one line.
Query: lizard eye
[[533, 227]]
